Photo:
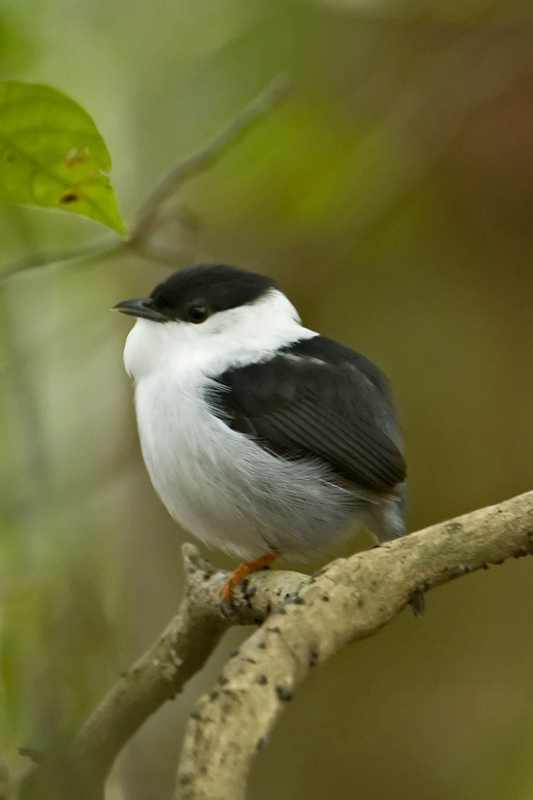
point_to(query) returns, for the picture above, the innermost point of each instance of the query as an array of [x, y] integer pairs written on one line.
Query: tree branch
[[352, 599], [80, 769], [179, 653], [306, 621]]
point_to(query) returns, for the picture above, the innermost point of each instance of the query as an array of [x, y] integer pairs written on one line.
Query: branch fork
[[303, 621]]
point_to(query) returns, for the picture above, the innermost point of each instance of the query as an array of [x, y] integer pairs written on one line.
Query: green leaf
[[52, 155]]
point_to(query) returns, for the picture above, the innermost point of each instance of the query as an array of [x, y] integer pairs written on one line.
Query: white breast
[[224, 488]]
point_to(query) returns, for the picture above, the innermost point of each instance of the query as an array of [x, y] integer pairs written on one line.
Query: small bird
[[260, 436]]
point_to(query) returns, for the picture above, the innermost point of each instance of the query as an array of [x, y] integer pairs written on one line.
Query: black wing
[[318, 398]]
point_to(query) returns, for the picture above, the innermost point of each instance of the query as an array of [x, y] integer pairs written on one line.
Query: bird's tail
[[385, 520]]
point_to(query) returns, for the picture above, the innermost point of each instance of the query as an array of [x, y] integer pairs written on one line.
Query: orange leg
[[245, 569]]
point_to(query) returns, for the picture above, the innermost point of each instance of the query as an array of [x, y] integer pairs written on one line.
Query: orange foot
[[245, 569]]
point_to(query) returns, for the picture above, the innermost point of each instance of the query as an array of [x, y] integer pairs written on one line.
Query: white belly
[[224, 488]]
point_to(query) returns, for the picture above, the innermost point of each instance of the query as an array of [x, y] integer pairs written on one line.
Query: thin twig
[[138, 242], [205, 158], [108, 247]]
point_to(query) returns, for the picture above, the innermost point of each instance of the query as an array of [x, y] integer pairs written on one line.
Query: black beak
[[141, 308]]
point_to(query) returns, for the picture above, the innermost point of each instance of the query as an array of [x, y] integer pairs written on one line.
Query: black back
[[319, 399]]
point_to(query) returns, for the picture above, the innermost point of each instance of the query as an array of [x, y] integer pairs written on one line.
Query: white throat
[[235, 337]]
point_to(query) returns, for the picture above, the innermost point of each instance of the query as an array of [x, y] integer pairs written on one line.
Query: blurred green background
[[392, 197]]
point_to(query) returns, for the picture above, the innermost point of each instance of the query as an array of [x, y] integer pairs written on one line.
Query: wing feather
[[319, 399]]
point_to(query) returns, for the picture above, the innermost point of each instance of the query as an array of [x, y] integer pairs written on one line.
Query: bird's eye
[[198, 313]]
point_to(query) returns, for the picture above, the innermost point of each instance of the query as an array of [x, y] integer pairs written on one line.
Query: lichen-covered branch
[[351, 599], [79, 769], [305, 621], [179, 653]]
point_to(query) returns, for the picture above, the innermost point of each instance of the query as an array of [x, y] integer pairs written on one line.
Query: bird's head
[[212, 315]]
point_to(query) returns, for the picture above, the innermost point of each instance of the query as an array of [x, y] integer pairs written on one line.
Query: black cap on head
[[195, 293], [215, 286]]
